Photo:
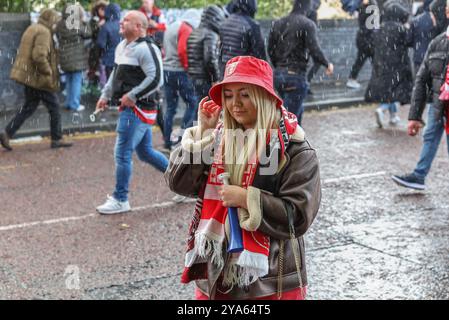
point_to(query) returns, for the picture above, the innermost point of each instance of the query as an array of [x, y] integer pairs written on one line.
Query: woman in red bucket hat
[[245, 132]]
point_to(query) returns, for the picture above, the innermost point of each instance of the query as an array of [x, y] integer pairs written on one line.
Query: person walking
[[277, 194], [36, 67], [109, 36], [202, 51], [133, 82], [291, 40], [177, 81], [391, 77], [434, 71], [240, 34], [364, 42], [156, 21], [72, 32], [95, 70]]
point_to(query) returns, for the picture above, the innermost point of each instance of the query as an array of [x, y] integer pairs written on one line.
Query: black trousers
[[362, 56], [32, 99]]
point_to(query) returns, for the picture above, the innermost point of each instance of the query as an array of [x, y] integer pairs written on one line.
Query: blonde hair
[[235, 154]]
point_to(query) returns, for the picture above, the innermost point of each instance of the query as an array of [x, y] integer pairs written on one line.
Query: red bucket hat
[[246, 69]]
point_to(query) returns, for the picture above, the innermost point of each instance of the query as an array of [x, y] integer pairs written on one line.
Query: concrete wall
[[337, 39], [12, 27]]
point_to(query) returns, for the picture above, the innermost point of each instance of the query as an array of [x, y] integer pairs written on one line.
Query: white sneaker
[[379, 117], [178, 198], [80, 108], [394, 119], [354, 84], [112, 206]]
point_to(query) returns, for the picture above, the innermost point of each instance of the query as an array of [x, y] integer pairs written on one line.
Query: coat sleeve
[[272, 44], [210, 55], [256, 41], [187, 171], [299, 193], [41, 52], [419, 94], [314, 47]]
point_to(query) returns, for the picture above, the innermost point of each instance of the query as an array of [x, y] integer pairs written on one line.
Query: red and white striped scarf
[[207, 232]]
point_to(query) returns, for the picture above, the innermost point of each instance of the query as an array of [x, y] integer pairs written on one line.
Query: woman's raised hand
[[208, 114]]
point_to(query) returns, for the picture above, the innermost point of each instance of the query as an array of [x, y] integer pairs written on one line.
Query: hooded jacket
[[438, 8], [73, 52], [175, 40], [240, 34], [391, 76], [109, 35], [36, 62], [293, 38], [202, 46]]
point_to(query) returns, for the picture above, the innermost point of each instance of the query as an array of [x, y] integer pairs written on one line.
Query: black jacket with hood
[[202, 46], [391, 76], [293, 38], [240, 34]]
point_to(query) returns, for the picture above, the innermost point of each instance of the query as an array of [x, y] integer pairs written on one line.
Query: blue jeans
[[73, 83], [391, 107], [432, 136], [293, 90], [177, 83], [133, 134]]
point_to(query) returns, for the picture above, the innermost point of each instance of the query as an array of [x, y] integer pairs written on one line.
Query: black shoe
[[309, 92], [4, 141], [60, 144], [410, 181]]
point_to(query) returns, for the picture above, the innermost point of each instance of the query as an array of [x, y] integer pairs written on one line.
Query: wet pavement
[[371, 239]]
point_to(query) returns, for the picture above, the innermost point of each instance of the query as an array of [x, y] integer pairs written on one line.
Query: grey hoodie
[[171, 59]]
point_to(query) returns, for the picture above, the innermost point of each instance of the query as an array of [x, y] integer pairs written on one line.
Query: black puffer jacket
[[240, 34], [293, 38], [391, 77], [432, 72], [202, 46]]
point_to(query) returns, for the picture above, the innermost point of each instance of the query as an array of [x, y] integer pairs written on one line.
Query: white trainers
[[379, 113], [354, 84], [113, 206], [80, 108], [178, 198], [394, 119]]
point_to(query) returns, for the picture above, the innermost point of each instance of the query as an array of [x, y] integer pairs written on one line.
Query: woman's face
[[239, 105]]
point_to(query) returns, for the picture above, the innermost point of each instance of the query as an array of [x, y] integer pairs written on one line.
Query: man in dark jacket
[[432, 72], [202, 51], [109, 36], [73, 53], [292, 39], [364, 42], [36, 67], [240, 34]]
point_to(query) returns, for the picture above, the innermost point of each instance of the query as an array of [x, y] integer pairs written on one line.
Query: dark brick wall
[[12, 27]]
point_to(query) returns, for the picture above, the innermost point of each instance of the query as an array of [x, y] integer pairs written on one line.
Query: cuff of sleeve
[[132, 96], [193, 142], [251, 219]]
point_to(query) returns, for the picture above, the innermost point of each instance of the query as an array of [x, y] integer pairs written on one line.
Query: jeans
[[391, 107], [177, 83], [133, 134], [432, 136], [293, 90], [73, 83], [32, 99]]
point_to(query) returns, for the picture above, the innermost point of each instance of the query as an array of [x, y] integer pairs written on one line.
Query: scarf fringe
[[205, 247], [246, 269]]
